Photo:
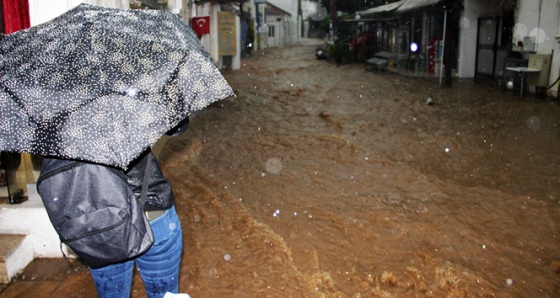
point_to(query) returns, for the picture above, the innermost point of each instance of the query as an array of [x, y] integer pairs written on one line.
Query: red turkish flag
[[201, 25]]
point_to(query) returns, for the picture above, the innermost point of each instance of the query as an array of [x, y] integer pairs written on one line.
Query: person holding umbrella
[[98, 87], [159, 265]]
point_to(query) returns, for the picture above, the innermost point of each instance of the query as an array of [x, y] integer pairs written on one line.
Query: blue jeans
[[158, 267]]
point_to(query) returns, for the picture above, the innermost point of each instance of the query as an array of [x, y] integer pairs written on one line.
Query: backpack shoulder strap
[[146, 181]]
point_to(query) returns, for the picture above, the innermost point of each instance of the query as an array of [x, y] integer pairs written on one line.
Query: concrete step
[[16, 252]]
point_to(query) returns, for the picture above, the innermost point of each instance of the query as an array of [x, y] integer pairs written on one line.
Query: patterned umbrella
[[102, 84]]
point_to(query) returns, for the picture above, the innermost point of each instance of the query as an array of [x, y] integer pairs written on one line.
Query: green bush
[[340, 51]]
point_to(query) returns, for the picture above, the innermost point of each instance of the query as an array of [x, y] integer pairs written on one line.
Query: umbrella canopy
[[102, 84]]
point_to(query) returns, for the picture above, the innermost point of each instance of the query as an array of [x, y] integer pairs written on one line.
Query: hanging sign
[[227, 33]]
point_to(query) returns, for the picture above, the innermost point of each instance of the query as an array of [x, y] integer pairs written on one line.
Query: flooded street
[[326, 181]]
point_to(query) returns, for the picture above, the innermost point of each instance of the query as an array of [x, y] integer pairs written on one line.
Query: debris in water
[[274, 165], [430, 100], [555, 266], [388, 278]]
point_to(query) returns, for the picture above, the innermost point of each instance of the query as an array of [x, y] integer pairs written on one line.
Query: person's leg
[[113, 280], [159, 266]]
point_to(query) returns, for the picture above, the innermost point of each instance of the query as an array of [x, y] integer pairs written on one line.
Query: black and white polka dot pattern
[[102, 84]]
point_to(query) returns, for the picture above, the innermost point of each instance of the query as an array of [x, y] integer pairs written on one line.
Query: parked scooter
[[321, 53]]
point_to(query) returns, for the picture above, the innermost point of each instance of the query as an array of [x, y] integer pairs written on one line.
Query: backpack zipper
[[98, 231], [58, 171]]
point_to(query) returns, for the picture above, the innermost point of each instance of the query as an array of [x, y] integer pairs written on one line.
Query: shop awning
[[382, 8], [414, 4]]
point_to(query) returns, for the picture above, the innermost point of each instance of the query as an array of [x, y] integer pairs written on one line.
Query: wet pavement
[[51, 278], [56, 278]]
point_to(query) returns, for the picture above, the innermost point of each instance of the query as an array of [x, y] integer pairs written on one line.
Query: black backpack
[[94, 211]]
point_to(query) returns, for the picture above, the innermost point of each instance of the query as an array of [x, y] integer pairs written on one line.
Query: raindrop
[[464, 22], [509, 281], [510, 85], [213, 271], [534, 123], [539, 34], [227, 257], [447, 150], [274, 165], [319, 14], [55, 199]]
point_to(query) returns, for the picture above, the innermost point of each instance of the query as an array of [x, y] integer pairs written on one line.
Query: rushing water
[[326, 181]]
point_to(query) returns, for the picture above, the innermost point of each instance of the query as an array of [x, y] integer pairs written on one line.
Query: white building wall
[[468, 25], [290, 6], [539, 20], [210, 42]]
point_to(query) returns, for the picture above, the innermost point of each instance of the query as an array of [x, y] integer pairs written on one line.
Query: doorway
[[493, 45]]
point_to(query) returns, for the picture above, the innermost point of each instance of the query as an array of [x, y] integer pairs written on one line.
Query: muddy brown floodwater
[[326, 181]]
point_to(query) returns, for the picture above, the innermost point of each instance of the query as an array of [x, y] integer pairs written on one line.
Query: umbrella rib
[[15, 99], [18, 101]]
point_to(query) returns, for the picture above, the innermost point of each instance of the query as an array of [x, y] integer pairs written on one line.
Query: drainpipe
[[538, 28], [443, 47]]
